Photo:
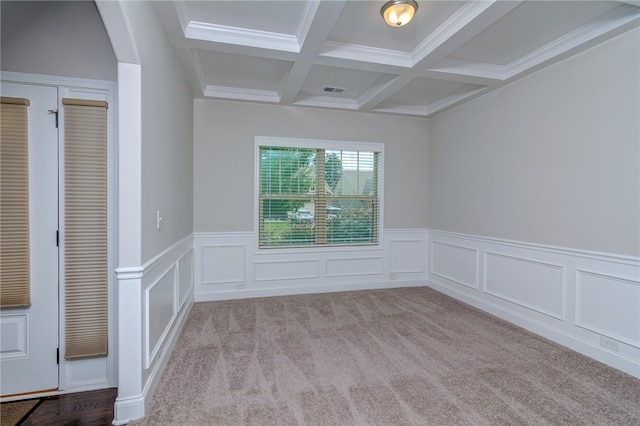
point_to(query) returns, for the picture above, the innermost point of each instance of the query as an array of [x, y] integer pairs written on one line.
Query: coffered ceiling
[[340, 54]]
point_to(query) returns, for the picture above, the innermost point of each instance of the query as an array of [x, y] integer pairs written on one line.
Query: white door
[[29, 336]]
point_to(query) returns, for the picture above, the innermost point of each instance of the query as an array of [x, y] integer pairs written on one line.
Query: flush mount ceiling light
[[397, 13]]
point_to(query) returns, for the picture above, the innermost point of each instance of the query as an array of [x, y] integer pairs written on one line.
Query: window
[[317, 193]]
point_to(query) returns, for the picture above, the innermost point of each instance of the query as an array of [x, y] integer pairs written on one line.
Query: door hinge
[[57, 238], [54, 111], [58, 356]]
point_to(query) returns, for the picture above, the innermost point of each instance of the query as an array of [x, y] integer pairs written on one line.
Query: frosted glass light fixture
[[397, 13]]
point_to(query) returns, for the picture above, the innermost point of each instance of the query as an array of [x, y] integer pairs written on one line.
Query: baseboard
[[313, 289], [128, 408]]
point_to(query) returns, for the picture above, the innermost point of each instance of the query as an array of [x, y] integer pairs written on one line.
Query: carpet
[[403, 356], [11, 413]]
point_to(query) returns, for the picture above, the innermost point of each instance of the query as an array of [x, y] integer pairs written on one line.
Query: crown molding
[[461, 67], [327, 102], [239, 36], [236, 93], [366, 54]]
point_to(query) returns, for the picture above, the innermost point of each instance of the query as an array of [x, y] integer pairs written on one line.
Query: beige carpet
[[12, 412], [384, 357]]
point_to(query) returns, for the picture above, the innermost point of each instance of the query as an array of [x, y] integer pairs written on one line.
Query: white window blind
[[85, 228], [318, 196], [14, 204]]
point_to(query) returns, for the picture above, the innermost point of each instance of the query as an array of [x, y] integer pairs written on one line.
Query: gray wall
[[167, 135], [224, 134], [551, 159], [56, 38]]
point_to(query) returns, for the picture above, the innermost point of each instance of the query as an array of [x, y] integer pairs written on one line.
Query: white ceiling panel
[[238, 71], [427, 91], [529, 27], [355, 82]]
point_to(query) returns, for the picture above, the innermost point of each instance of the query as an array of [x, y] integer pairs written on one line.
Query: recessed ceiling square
[[426, 91], [354, 82], [230, 70], [530, 26]]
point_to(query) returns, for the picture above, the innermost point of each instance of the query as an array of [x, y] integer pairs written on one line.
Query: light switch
[[158, 219]]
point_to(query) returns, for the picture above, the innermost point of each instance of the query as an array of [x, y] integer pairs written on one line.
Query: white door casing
[[29, 336]]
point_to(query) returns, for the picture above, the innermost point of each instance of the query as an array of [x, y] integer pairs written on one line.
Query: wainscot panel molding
[[154, 300], [160, 301], [527, 282], [587, 301], [604, 291], [456, 263], [228, 266]]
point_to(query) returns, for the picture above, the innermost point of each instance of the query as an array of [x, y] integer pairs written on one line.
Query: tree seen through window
[[317, 197]]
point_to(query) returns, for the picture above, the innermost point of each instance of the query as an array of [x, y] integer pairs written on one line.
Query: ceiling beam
[[320, 19]]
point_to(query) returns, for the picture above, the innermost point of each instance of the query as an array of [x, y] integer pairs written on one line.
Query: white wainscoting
[[154, 301], [589, 302], [228, 266], [166, 277]]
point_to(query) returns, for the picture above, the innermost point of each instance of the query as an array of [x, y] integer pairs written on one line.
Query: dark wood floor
[[85, 408]]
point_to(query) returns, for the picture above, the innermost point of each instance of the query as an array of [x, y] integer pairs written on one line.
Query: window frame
[[304, 143]]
